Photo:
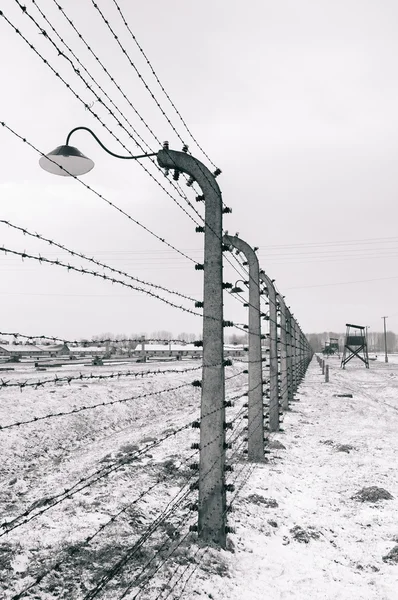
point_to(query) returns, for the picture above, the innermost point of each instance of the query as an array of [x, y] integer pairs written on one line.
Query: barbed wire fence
[[150, 495]]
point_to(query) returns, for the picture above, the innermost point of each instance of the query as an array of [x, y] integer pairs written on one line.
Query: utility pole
[[255, 434], [212, 505], [385, 340]]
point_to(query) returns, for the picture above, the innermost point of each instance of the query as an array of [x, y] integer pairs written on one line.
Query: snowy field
[[392, 358], [81, 493]]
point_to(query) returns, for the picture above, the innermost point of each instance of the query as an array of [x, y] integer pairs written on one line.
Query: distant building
[[235, 349], [169, 350], [87, 350], [21, 350], [55, 349], [184, 350]]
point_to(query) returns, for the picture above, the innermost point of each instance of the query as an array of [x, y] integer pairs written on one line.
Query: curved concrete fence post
[[283, 349], [212, 492], [255, 436], [273, 355]]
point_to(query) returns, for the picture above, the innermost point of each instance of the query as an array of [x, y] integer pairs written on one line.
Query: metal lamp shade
[[66, 161]]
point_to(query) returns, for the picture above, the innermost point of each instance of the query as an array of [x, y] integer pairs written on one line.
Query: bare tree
[[162, 335], [187, 337]]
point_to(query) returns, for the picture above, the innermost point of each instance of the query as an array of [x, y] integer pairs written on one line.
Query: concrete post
[[327, 374], [283, 353], [255, 402], [296, 356], [323, 366], [302, 354], [290, 347], [273, 355], [212, 492]]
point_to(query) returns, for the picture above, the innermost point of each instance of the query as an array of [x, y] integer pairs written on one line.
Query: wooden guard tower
[[354, 344]]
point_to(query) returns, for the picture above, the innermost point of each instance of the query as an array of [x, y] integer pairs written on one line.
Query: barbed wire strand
[[93, 260], [89, 539], [88, 187], [97, 475], [82, 377], [85, 482], [60, 53], [165, 341], [111, 574], [82, 270], [112, 79], [92, 407], [110, 521], [89, 107], [160, 84], [101, 528]]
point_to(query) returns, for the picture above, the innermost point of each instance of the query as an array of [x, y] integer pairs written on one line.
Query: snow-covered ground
[[300, 534], [392, 358]]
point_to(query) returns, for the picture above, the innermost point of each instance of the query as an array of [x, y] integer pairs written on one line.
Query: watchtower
[[334, 345], [331, 347], [354, 344]]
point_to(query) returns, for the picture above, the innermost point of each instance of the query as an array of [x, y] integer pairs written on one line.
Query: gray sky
[[295, 101]]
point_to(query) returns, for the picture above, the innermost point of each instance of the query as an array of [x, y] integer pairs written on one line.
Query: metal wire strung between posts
[[115, 570], [43, 259], [141, 78], [60, 53], [197, 564], [52, 338], [82, 377], [58, 564], [111, 402], [99, 473], [164, 341], [88, 106], [204, 550], [89, 538], [82, 39], [85, 482], [160, 84], [35, 3], [103, 198], [98, 118], [106, 524], [69, 267], [88, 187], [99, 404], [141, 584], [94, 261]]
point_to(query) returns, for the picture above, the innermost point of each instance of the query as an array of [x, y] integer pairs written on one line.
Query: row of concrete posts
[[288, 354], [324, 366]]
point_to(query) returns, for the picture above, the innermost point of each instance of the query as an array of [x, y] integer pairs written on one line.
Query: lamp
[[236, 289], [68, 161]]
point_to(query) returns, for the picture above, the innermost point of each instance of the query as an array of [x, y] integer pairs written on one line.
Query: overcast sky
[[296, 101]]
